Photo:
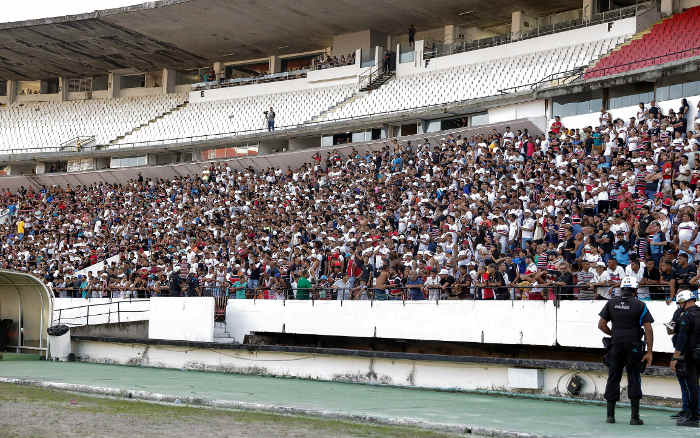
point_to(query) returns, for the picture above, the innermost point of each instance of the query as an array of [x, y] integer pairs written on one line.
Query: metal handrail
[[644, 60], [225, 83], [87, 307]]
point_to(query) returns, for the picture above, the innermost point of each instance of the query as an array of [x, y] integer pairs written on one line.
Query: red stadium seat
[[673, 39]]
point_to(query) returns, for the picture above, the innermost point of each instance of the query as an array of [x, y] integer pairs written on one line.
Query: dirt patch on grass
[[28, 412]]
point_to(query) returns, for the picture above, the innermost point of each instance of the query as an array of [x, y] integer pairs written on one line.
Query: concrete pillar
[[169, 80], [114, 86], [219, 70], [450, 34], [418, 54], [588, 9], [11, 92], [275, 64], [62, 90], [669, 7], [379, 57], [40, 168], [520, 23], [358, 58]]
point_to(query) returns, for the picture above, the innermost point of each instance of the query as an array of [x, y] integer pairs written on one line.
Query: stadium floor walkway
[[545, 418]]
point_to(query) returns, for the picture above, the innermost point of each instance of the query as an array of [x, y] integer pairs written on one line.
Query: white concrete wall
[[315, 79], [573, 324], [576, 324], [623, 27], [536, 108], [334, 76], [182, 319], [406, 373], [583, 120], [101, 311], [686, 4], [140, 92], [500, 322]]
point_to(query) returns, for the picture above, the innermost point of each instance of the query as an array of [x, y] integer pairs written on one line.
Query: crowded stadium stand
[[552, 191], [672, 39]]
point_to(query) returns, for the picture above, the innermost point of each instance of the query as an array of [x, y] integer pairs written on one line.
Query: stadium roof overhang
[[28, 302], [193, 33]]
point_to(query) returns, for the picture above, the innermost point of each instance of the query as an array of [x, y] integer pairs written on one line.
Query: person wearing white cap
[[628, 316]]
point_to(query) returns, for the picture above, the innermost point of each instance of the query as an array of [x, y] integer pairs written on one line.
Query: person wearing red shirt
[[556, 126]]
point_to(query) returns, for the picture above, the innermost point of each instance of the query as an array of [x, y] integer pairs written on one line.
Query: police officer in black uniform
[[672, 329], [628, 315], [686, 357]]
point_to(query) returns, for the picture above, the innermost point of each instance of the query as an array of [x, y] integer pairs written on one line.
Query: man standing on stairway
[[270, 118]]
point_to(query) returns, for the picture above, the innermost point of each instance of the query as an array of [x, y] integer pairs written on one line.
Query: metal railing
[[642, 63], [563, 76], [365, 79], [75, 321], [77, 144], [357, 290], [274, 77], [442, 49]]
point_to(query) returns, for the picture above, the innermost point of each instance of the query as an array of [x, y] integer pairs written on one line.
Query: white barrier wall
[[182, 319], [506, 113], [314, 79], [80, 311], [497, 322], [576, 322], [627, 26], [572, 324]]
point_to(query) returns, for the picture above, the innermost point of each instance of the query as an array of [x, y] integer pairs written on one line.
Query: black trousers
[[625, 356], [692, 379]]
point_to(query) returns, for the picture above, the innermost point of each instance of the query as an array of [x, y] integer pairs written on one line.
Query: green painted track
[[549, 418]]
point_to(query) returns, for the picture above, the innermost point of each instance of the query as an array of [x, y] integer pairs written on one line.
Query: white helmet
[[683, 296], [630, 282]]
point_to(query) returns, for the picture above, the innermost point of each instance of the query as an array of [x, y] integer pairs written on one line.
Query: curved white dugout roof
[[26, 300]]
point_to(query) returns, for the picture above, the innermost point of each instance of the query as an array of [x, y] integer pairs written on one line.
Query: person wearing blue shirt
[[621, 253]]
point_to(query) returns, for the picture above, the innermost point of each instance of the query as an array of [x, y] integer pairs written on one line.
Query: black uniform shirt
[[687, 327], [627, 316]]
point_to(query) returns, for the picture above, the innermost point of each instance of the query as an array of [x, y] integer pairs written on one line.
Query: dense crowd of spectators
[[505, 215]]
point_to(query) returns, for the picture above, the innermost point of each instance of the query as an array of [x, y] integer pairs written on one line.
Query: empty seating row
[[45, 126], [473, 81], [224, 117]]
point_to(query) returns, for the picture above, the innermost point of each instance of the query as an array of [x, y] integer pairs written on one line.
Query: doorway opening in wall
[[376, 133], [56, 166], [454, 123], [247, 70], [296, 63], [343, 138], [409, 129], [132, 81]]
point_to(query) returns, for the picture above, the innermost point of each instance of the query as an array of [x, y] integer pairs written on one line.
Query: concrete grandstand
[[460, 200]]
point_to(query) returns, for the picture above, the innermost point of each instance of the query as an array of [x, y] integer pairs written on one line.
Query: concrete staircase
[[378, 81], [325, 114], [153, 120], [221, 336]]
